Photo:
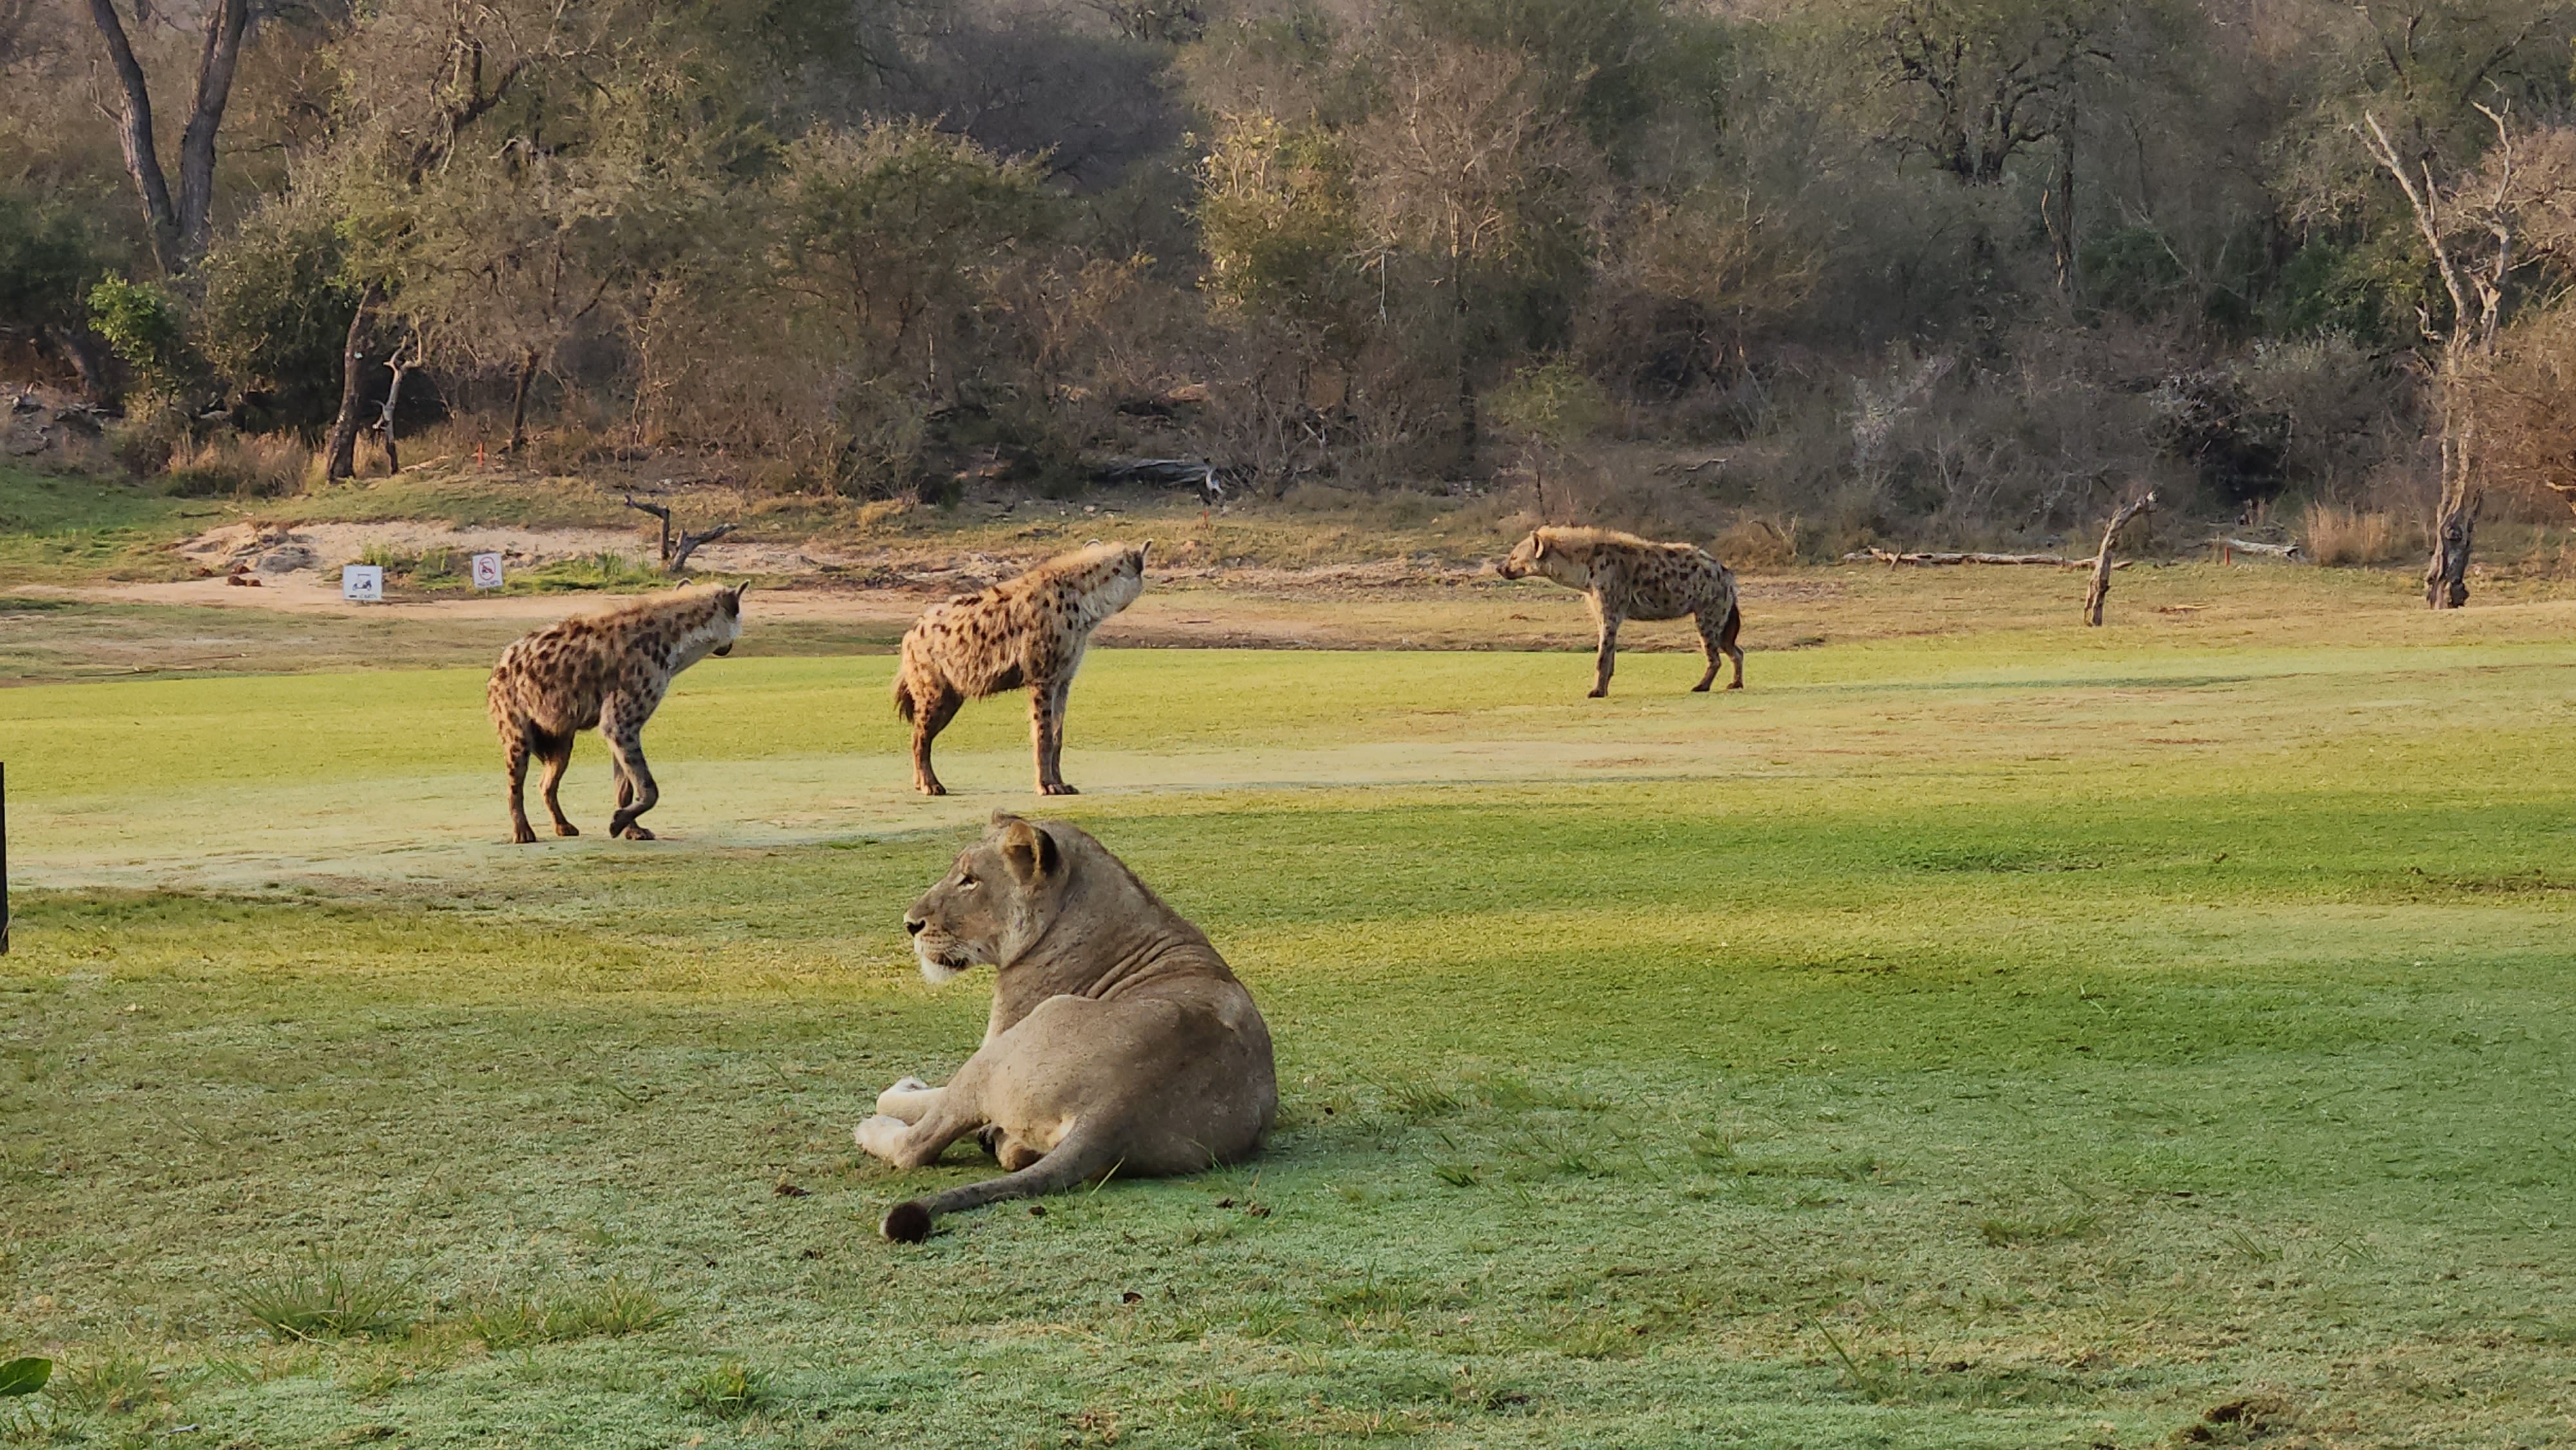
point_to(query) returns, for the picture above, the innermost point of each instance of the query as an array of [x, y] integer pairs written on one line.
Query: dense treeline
[[1968, 269]]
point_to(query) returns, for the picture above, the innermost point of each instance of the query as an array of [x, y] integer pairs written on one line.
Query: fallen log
[[2248, 546], [1892, 558], [1165, 472]]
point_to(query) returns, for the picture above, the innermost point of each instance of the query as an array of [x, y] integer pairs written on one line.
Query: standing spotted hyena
[[1627, 577], [1030, 631], [608, 670]]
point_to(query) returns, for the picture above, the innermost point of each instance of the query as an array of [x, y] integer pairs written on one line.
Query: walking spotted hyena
[[1030, 631], [608, 670], [1627, 577]]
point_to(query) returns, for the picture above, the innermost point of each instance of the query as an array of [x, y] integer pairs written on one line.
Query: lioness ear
[[1002, 818], [1029, 852]]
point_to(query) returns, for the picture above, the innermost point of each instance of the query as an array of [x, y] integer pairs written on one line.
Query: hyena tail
[[904, 704]]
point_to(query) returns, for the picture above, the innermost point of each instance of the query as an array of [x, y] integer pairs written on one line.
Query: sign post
[[362, 583]]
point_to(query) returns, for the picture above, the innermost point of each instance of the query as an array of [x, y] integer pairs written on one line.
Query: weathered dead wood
[[2248, 546], [675, 554], [1891, 558], [1192, 472], [2101, 587], [401, 362]]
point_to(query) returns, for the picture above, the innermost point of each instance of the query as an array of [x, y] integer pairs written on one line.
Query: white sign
[[487, 571], [363, 583]]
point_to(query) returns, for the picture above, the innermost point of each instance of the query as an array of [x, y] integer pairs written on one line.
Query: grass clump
[[329, 1301], [593, 1311], [234, 466], [728, 1391], [2333, 534], [595, 571], [2014, 1232]]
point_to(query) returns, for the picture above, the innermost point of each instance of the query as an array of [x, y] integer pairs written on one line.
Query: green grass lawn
[[2159, 1035]]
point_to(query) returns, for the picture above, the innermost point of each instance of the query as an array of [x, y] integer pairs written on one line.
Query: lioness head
[[1540, 554], [993, 902]]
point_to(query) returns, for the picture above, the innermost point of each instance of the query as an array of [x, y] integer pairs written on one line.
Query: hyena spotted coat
[[1030, 631], [608, 670], [1626, 577]]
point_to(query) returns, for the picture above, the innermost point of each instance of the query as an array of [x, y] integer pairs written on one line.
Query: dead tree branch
[[2101, 588], [675, 553]]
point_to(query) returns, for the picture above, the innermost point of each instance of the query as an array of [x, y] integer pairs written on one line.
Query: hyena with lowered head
[[1030, 631], [1625, 577], [608, 670]]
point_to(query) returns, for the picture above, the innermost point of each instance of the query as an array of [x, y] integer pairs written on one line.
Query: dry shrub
[[230, 465], [1754, 542], [2332, 534]]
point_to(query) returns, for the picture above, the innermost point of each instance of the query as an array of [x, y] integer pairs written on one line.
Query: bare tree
[[2469, 228], [180, 227], [1471, 167]]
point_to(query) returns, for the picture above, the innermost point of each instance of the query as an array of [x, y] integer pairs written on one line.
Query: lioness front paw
[[881, 1136]]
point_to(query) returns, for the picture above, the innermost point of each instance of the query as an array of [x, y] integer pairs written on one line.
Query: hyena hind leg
[[556, 752]]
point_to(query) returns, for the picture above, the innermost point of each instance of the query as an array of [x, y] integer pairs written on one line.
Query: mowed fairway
[[2033, 1036]]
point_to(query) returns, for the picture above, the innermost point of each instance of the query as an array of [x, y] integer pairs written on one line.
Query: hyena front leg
[[556, 751], [1607, 656], [623, 725], [514, 754], [1046, 733]]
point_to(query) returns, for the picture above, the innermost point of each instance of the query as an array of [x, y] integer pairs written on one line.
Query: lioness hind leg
[[1013, 1154]]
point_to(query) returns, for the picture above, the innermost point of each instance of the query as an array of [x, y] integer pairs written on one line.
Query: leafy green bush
[[145, 324], [275, 314]]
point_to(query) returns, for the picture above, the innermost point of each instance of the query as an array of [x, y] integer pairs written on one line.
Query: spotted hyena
[[608, 670], [1030, 631], [1627, 577]]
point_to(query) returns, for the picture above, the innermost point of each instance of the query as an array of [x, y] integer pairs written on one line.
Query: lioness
[[1119, 1039], [1625, 577]]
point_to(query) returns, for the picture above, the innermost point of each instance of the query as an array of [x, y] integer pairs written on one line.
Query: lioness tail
[[1077, 1157]]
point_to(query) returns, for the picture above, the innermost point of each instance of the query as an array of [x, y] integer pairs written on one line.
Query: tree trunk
[[2455, 523], [2101, 587], [227, 21], [2446, 574], [519, 400], [340, 454], [179, 231], [134, 132]]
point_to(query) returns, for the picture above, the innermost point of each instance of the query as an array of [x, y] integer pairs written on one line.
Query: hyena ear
[[1030, 852], [1140, 554]]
